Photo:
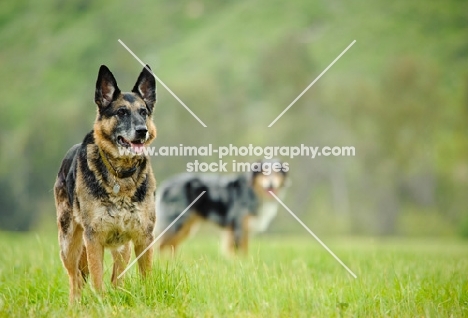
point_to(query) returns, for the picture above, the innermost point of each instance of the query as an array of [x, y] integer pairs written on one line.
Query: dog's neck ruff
[[266, 213], [119, 174]]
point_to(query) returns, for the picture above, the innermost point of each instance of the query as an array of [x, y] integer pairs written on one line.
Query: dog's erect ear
[[106, 88], [146, 87]]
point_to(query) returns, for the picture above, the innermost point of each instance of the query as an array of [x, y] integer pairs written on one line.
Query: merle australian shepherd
[[240, 204]]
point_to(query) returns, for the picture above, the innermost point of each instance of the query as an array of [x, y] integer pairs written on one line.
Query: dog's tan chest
[[119, 221]]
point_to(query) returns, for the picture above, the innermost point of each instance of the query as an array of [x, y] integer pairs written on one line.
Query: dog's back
[[66, 176]]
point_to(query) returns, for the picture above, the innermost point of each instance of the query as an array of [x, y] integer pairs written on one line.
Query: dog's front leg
[[241, 234], [239, 229], [145, 261], [95, 256], [241, 240], [121, 257]]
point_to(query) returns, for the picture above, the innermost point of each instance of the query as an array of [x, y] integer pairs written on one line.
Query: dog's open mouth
[[272, 189], [136, 145]]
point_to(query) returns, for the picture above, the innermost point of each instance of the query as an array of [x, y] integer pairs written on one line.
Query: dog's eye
[[143, 112], [122, 112]]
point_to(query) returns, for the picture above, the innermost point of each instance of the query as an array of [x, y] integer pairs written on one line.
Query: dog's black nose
[[141, 131]]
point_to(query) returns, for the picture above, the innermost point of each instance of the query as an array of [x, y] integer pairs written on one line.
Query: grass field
[[282, 277]]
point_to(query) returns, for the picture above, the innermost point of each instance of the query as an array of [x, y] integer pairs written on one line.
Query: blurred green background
[[399, 96]]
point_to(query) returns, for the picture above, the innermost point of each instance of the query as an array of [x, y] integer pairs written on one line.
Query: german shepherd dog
[[105, 188], [240, 204]]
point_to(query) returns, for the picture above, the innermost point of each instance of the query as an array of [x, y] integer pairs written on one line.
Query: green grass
[[282, 277]]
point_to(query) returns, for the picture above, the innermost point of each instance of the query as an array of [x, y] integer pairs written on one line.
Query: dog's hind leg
[[167, 243], [180, 231], [121, 257], [171, 242]]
